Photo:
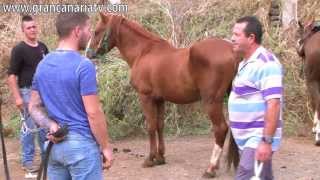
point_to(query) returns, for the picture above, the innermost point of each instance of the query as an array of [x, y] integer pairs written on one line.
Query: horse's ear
[[102, 2], [103, 17], [300, 24], [310, 22]]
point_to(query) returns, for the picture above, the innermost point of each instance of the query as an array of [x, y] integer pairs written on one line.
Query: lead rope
[[24, 127], [61, 133], [257, 170]]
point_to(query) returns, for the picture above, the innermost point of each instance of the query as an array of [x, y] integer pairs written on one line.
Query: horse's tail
[[233, 157]]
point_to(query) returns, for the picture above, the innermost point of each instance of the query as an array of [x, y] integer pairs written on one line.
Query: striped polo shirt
[[258, 80]]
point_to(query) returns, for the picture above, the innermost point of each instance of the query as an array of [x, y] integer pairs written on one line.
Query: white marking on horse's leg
[[318, 127], [216, 153], [315, 122]]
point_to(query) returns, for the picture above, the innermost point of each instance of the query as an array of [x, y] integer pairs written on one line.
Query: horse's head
[[105, 35], [304, 32]]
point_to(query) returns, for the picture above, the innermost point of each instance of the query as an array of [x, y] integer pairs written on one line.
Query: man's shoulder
[[19, 46], [85, 61], [265, 56], [77, 58]]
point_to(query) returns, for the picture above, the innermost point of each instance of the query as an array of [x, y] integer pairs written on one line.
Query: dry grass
[[9, 35]]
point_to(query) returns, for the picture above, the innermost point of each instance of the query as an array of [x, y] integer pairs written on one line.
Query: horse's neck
[[132, 44]]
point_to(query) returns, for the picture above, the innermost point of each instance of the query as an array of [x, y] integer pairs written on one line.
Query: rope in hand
[[62, 132], [257, 170]]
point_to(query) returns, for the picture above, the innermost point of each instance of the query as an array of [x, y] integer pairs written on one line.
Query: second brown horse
[[161, 72], [309, 50]]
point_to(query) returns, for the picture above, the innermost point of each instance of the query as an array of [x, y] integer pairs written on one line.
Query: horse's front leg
[[149, 108], [220, 129]]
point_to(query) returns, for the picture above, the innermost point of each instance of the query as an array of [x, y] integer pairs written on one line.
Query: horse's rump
[[312, 57], [213, 65]]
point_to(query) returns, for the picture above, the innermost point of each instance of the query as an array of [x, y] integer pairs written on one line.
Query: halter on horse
[[161, 72]]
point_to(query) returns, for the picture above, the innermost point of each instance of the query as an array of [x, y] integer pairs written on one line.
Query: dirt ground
[[187, 158]]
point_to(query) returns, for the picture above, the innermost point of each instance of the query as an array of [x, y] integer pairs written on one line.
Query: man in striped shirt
[[255, 101]]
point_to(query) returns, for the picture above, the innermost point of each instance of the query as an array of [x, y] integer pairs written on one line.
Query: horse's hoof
[[207, 174], [160, 161], [148, 163], [317, 143]]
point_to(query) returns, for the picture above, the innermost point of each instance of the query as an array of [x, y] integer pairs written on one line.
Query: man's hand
[[108, 158], [54, 128], [263, 152], [19, 103], [14, 88]]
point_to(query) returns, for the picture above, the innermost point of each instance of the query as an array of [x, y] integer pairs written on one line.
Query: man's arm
[[264, 150], [16, 64], [98, 124], [13, 86], [39, 114], [271, 117]]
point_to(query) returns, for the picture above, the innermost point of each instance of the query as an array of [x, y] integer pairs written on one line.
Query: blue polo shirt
[[61, 79]]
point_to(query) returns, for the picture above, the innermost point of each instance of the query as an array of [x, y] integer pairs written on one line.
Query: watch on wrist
[[267, 139]]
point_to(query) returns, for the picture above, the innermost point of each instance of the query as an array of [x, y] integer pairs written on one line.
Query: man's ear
[[77, 31], [22, 28], [252, 38]]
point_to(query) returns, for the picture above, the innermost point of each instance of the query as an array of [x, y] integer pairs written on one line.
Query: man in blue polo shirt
[[65, 83], [255, 101]]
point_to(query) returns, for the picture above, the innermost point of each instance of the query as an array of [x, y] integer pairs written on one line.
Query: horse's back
[[217, 51]]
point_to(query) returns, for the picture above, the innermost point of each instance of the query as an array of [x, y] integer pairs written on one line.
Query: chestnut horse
[[161, 72], [309, 50]]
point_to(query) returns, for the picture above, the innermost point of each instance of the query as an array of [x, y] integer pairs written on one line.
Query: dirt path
[[187, 157]]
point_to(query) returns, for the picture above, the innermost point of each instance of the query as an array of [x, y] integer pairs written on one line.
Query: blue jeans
[[27, 136], [77, 158]]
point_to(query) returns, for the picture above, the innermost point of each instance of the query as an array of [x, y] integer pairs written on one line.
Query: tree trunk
[[289, 12]]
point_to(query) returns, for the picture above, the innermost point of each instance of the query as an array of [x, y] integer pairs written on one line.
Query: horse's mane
[[142, 32]]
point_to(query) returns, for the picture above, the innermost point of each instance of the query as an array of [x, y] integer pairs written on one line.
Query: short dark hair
[[26, 18], [253, 27], [66, 22]]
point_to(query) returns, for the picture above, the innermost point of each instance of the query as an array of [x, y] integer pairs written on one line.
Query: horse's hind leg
[[161, 146], [149, 108], [220, 129], [314, 92]]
